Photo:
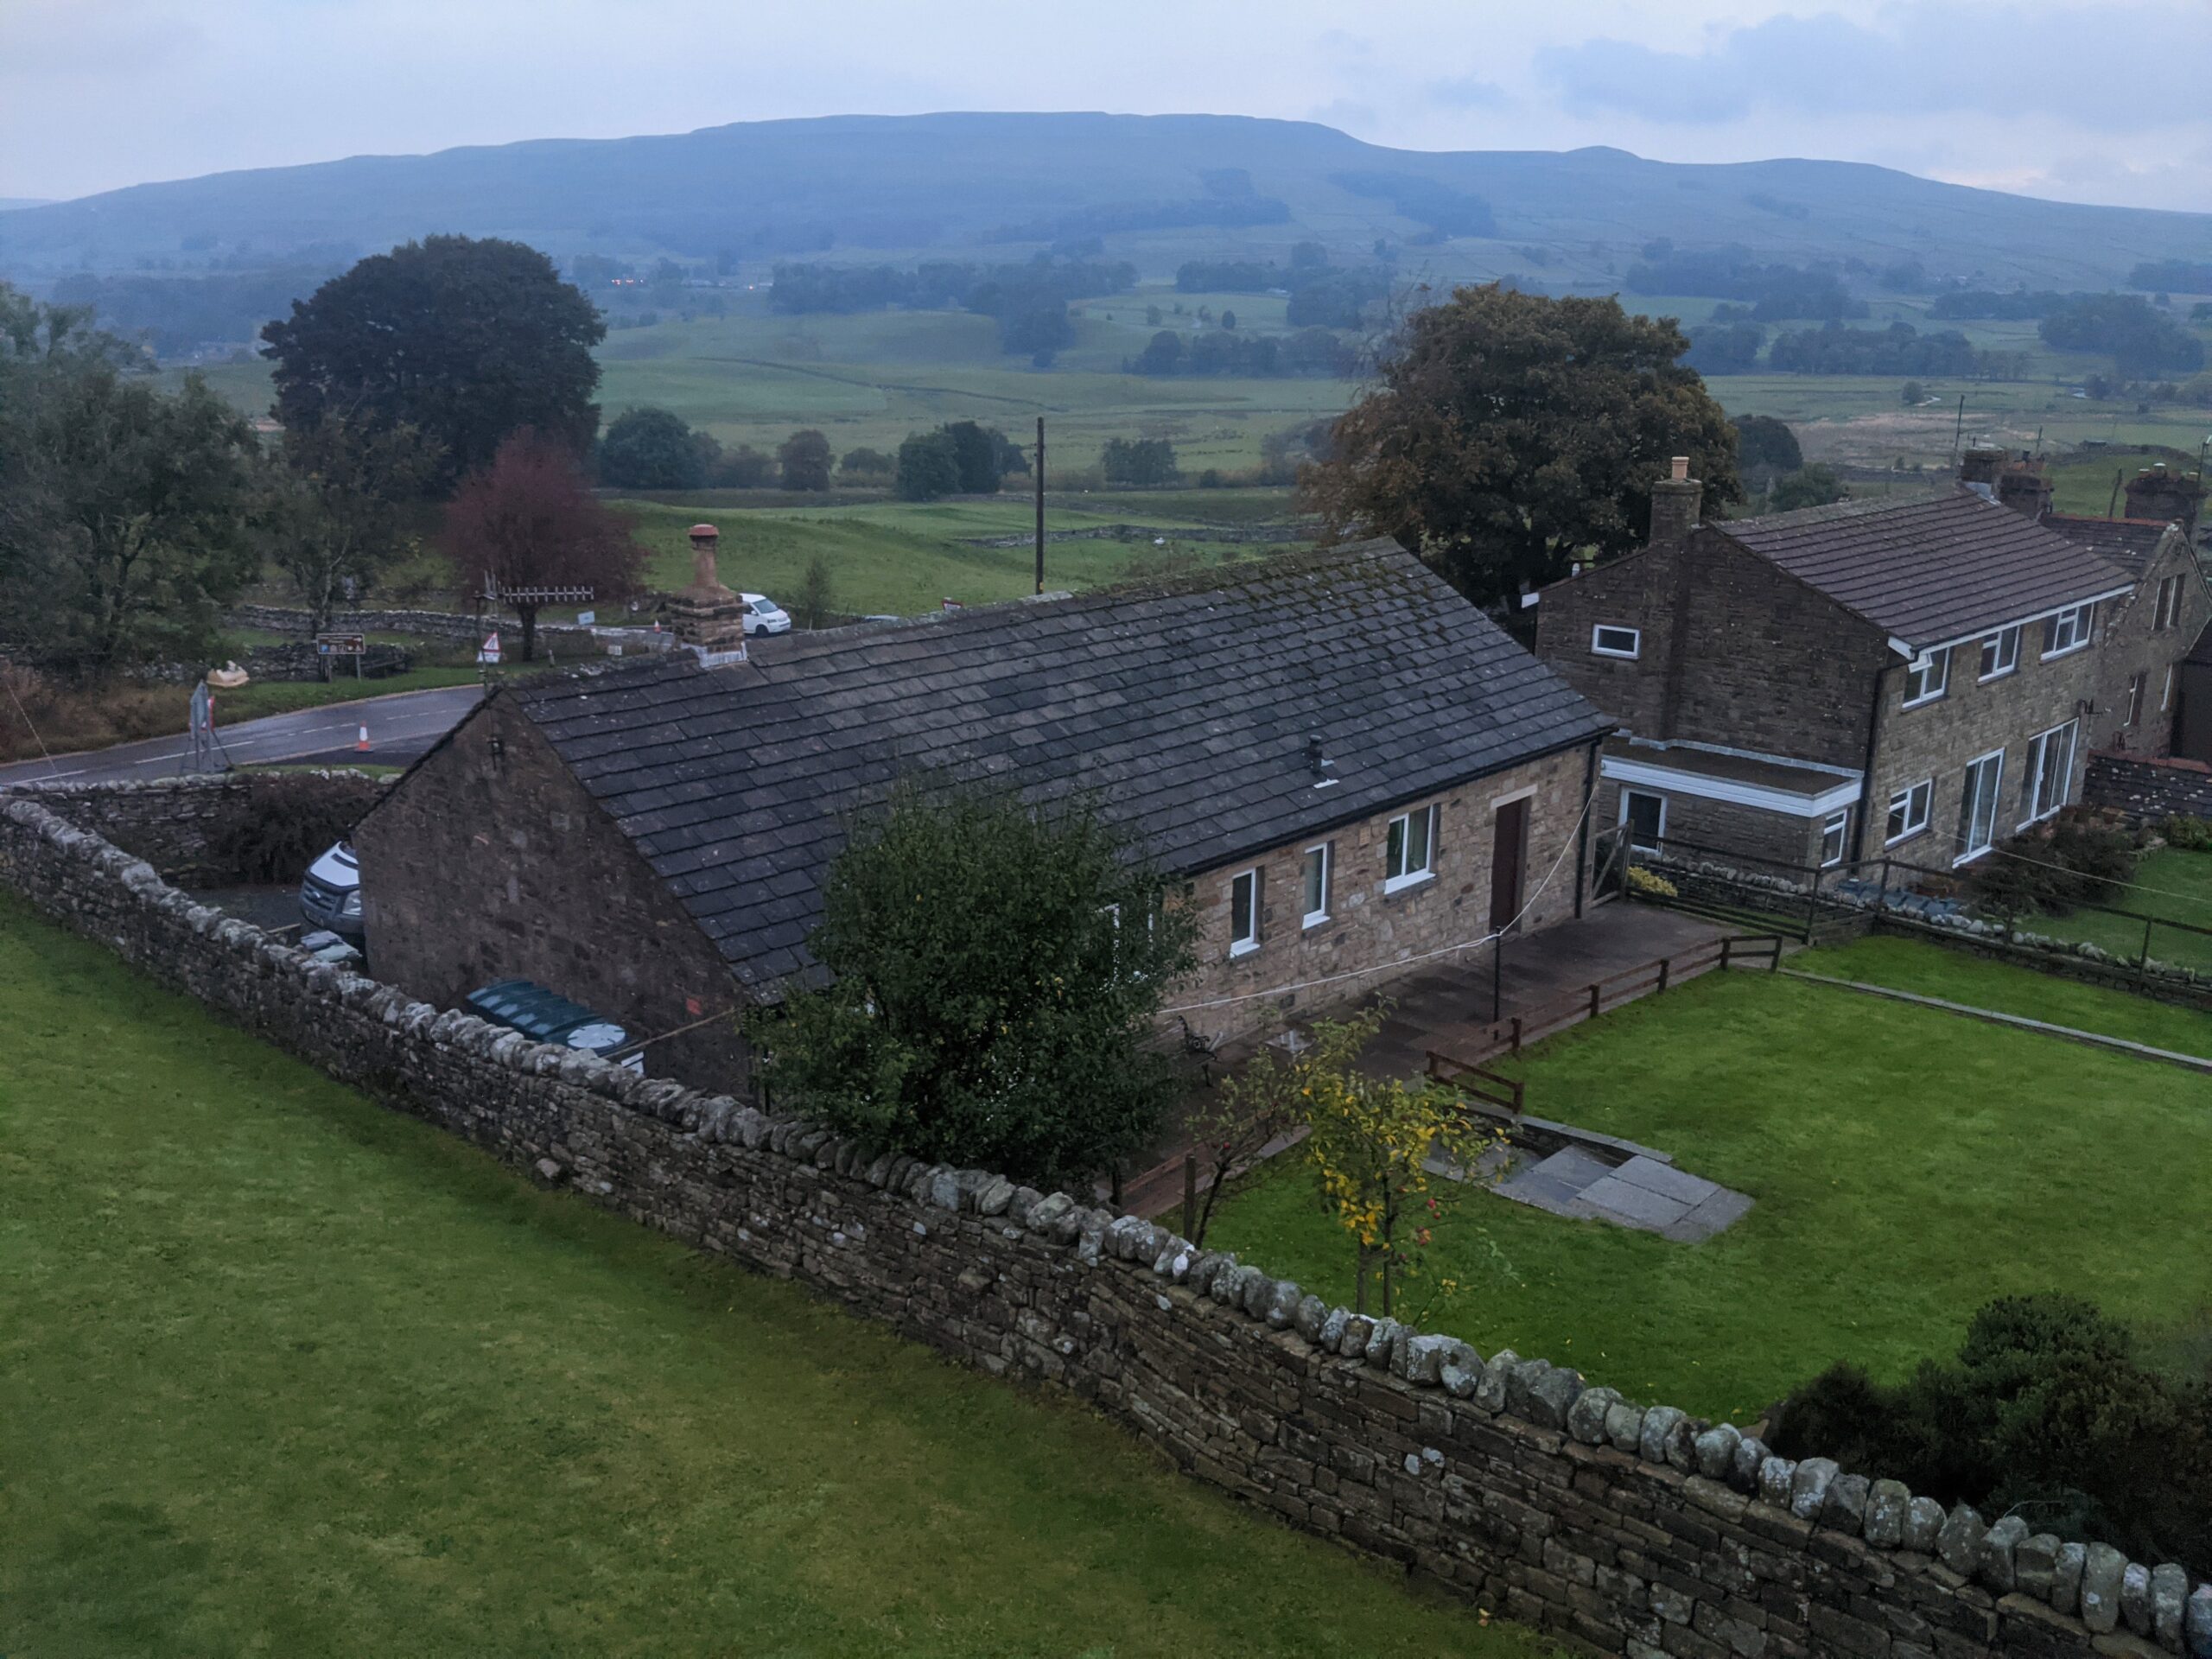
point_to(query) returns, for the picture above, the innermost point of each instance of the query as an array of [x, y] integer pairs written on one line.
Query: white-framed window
[[2001, 652], [1315, 884], [2068, 631], [2138, 689], [1927, 676], [1608, 639], [1409, 852], [1978, 805], [2166, 690], [1909, 811], [1244, 913], [1833, 829], [2050, 774], [2168, 604]]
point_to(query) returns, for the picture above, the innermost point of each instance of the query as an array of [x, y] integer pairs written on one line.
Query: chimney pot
[[1679, 467]]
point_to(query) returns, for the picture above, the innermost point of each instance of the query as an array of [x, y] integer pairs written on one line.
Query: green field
[[898, 559], [283, 1373], [1907, 1165]]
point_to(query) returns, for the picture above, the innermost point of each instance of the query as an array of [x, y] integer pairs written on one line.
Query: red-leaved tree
[[529, 520]]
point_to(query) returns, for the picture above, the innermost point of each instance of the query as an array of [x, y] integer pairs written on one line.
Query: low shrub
[[2191, 835], [2076, 859], [2048, 1412]]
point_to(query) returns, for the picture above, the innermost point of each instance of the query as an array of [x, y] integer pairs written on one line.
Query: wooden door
[[1507, 859]]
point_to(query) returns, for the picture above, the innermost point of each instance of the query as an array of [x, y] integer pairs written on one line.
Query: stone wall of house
[[1733, 651], [493, 863], [1634, 1530], [187, 827], [1788, 844], [1935, 739], [2136, 648], [2148, 789], [1371, 936]]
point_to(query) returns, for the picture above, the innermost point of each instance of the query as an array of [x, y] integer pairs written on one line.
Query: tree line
[[441, 394], [1223, 350], [1029, 301]]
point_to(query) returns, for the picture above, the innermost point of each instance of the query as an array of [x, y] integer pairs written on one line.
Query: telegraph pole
[[1041, 504]]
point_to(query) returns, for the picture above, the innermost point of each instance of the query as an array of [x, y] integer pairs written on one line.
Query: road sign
[[489, 651], [585, 619], [342, 644]]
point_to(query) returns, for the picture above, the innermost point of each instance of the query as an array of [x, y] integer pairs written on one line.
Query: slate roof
[[1932, 569], [2127, 542], [1186, 708]]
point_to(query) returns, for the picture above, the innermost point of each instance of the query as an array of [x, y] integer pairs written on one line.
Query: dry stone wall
[[181, 826], [1634, 1530]]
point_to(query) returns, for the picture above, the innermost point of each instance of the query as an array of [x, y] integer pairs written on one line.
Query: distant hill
[[1156, 189], [9, 204]]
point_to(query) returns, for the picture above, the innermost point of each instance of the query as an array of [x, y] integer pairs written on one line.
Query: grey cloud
[[2020, 60]]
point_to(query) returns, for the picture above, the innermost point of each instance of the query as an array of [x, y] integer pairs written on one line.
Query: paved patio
[[1448, 1007]]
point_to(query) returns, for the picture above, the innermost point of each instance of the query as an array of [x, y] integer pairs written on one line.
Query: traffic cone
[[362, 742]]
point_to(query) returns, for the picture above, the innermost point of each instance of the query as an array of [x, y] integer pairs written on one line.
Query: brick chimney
[[2170, 497], [1981, 467], [1675, 500], [2025, 486]]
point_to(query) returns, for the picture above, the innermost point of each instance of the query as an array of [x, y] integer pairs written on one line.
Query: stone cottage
[[1917, 677], [1348, 766]]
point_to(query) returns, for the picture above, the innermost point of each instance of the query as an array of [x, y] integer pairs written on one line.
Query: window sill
[[1318, 919], [1407, 883], [2053, 656], [1909, 834], [1922, 703], [1243, 948], [2001, 674]]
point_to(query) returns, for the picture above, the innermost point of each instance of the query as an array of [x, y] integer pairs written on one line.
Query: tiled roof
[[1932, 569], [2127, 542], [1185, 707]]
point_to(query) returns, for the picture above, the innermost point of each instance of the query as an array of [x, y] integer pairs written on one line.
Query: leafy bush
[[2048, 1412], [2191, 835], [292, 820], [997, 970], [2076, 860]]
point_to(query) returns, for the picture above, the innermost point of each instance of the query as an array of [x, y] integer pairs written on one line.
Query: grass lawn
[[1908, 1166], [1959, 977], [2171, 884], [283, 1374]]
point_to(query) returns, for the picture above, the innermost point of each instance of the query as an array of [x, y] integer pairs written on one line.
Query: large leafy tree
[[345, 506], [803, 459], [1511, 434], [649, 448], [997, 970], [465, 339], [127, 511], [529, 520]]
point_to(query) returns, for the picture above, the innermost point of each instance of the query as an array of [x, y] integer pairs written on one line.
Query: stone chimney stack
[[1676, 501], [707, 616], [1981, 467], [2169, 497], [2025, 486]]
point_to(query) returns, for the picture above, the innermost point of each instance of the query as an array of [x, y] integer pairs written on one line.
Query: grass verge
[[287, 1374]]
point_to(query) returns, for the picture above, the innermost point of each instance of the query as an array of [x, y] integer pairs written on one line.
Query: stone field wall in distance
[[1629, 1530]]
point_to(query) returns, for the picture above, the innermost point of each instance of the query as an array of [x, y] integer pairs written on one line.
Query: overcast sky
[[2083, 102]]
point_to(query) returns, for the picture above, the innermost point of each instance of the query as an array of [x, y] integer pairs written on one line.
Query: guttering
[[1906, 649], [1735, 793]]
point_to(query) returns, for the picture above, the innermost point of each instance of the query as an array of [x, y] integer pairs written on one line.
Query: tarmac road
[[401, 727]]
